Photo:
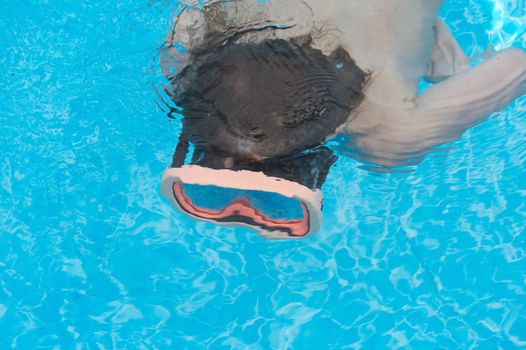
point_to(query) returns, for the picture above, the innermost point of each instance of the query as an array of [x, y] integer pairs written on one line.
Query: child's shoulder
[[242, 21]]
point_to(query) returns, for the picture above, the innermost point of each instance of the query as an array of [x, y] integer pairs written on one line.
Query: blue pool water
[[91, 256]]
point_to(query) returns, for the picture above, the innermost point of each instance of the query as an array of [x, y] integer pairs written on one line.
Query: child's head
[[267, 100]]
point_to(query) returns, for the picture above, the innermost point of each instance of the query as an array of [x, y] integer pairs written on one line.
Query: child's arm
[[399, 137], [466, 98]]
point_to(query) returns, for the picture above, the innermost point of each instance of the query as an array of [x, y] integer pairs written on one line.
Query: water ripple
[[93, 257]]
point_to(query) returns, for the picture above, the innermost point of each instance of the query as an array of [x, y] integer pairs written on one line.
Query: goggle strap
[[181, 150]]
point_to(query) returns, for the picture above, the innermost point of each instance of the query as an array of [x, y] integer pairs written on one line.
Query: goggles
[[279, 198]]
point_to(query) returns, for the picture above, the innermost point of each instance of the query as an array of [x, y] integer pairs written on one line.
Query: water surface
[[93, 258]]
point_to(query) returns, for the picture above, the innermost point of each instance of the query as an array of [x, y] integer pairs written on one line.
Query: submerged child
[[265, 80]]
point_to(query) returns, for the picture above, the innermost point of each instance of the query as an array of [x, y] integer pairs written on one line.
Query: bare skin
[[400, 42]]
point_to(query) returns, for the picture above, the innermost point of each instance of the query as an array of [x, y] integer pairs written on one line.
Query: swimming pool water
[[91, 256]]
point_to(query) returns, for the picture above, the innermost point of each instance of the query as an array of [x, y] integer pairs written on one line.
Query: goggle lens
[[269, 211]]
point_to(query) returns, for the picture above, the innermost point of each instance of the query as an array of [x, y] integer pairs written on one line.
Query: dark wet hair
[[269, 99]]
